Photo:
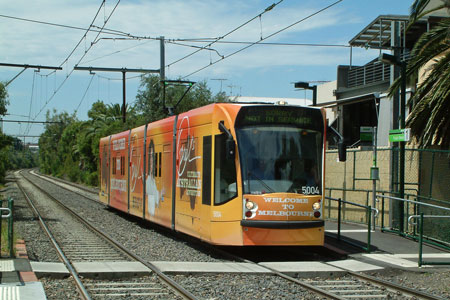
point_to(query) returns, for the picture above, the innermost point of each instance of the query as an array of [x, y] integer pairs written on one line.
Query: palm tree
[[429, 119]]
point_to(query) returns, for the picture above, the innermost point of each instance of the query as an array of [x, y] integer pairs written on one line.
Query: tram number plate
[[310, 190]]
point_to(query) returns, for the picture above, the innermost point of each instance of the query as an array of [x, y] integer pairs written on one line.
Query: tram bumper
[[282, 224], [283, 233]]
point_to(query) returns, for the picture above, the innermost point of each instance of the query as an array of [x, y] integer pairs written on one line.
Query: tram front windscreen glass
[[277, 158]]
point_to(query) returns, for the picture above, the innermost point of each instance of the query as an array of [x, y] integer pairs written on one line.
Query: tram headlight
[[250, 205], [316, 206]]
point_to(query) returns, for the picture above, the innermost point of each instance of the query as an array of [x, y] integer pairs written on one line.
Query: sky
[[129, 39]]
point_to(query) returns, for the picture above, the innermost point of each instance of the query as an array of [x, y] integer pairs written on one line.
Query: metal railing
[[420, 238], [367, 196], [370, 73], [368, 209], [421, 225], [6, 213]]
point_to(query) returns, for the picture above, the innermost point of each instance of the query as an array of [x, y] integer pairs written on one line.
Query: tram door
[[206, 189]]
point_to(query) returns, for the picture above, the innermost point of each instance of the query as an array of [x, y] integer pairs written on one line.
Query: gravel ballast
[[139, 236], [240, 286], [155, 245]]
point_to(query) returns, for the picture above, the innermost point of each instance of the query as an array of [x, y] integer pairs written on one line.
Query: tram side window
[[160, 163], [155, 170], [122, 165], [224, 173], [114, 165]]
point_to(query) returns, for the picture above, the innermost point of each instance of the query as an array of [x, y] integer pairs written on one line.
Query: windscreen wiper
[[250, 174]]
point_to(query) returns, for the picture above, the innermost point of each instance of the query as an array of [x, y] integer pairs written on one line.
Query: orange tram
[[226, 173]]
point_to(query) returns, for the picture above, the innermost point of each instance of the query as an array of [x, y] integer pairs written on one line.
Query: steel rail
[[389, 285], [181, 291], [88, 190], [81, 289], [406, 290], [308, 286]]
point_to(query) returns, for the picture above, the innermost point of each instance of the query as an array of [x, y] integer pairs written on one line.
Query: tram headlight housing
[[250, 205], [250, 209], [316, 206]]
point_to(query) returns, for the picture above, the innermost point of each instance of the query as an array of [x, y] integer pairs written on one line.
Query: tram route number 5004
[[310, 190]]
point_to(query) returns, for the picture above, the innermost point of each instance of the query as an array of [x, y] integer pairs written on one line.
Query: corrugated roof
[[377, 35]]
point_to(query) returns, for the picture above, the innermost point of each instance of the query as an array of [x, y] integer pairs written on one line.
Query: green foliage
[[150, 104], [429, 119], [5, 143], [13, 154], [3, 99], [51, 160]]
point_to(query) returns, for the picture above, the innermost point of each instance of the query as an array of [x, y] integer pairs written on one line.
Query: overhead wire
[[265, 38], [192, 46], [85, 34], [207, 47], [115, 52], [85, 53], [85, 93], [105, 30], [264, 43], [31, 99], [269, 8], [121, 78]]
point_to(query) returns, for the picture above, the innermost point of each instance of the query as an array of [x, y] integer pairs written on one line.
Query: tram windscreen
[[283, 155]]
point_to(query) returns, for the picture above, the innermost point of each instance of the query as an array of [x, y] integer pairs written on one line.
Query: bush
[[91, 178]]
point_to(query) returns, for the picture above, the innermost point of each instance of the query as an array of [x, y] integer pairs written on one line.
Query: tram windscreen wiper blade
[[250, 174]]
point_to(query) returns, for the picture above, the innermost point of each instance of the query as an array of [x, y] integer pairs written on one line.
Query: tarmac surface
[[19, 277]]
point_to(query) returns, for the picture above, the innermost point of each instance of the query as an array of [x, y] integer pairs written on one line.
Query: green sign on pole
[[399, 135], [366, 134]]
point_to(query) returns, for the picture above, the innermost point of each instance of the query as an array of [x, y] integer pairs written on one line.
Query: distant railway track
[[85, 192], [87, 243], [91, 190]]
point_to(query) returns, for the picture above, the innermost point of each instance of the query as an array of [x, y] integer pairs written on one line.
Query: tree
[[51, 160], [5, 141], [3, 99], [429, 119], [150, 105]]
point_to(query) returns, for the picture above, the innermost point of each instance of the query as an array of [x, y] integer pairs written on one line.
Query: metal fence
[[418, 228], [427, 180], [370, 73]]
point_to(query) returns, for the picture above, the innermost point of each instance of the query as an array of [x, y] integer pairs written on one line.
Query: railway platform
[[17, 279], [386, 249]]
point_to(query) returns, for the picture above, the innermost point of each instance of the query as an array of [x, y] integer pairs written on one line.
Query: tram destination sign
[[301, 117]]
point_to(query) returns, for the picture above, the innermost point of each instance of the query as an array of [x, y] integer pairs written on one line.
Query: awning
[[377, 35], [350, 100]]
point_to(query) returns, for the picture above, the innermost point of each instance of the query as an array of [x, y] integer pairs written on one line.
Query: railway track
[[88, 193], [349, 286], [358, 286], [84, 243]]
